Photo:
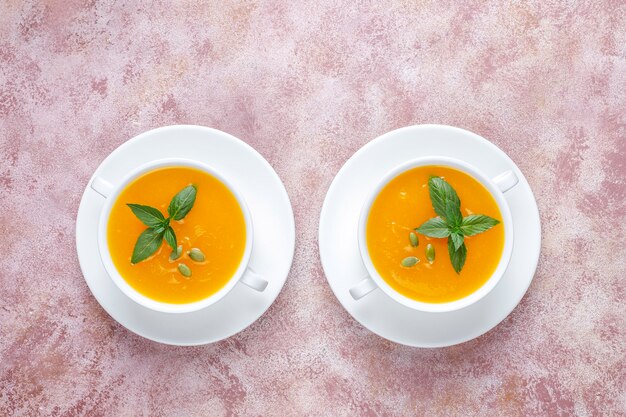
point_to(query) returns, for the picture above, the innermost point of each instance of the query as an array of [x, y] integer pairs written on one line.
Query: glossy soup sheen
[[404, 204], [215, 225]]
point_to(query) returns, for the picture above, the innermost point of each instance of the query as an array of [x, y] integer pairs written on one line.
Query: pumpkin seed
[[176, 253], [196, 255], [430, 253], [409, 261], [184, 270], [413, 239]]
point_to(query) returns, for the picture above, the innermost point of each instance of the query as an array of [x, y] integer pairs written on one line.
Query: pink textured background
[[307, 86]]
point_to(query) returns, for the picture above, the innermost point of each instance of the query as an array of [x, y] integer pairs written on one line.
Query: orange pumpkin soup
[[215, 225], [404, 204]]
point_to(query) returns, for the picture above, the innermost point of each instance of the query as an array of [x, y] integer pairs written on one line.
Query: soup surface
[[215, 225], [404, 204]]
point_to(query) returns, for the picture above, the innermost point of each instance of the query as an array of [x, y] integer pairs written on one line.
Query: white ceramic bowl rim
[[506, 220], [121, 282]]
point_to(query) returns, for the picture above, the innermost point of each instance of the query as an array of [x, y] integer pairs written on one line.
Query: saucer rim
[[534, 256], [86, 264]]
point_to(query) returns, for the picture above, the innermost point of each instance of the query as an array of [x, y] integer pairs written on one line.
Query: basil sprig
[[450, 222], [159, 227]]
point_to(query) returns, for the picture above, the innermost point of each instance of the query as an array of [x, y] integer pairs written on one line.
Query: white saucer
[[339, 248], [272, 250]]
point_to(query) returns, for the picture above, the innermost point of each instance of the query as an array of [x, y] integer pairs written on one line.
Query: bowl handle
[[101, 186], [506, 181], [254, 280], [360, 290]]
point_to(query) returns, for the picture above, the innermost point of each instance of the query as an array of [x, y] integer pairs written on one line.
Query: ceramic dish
[[339, 247], [272, 221]]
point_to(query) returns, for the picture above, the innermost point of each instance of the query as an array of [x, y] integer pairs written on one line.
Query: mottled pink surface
[[307, 86]]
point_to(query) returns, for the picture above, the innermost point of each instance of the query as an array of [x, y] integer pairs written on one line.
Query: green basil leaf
[[435, 227], [182, 202], [477, 223], [457, 239], [170, 237], [440, 193], [457, 257], [147, 243], [454, 218], [149, 216]]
